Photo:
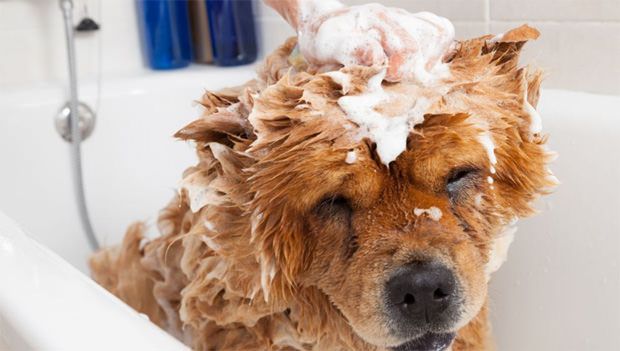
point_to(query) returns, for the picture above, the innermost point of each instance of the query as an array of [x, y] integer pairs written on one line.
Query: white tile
[[33, 52], [31, 56], [29, 14], [120, 36], [118, 11], [575, 56], [469, 30], [556, 10], [272, 33]]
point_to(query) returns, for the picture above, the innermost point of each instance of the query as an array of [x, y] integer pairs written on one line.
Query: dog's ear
[[488, 66], [518, 35], [490, 55], [506, 47], [224, 119], [216, 127], [524, 82]]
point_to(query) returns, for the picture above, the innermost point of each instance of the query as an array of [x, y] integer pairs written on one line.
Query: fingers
[[395, 61], [369, 53]]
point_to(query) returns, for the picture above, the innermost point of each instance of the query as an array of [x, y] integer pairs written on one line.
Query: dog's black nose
[[422, 293]]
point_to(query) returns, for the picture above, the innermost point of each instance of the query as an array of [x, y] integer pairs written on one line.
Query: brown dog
[[291, 235]]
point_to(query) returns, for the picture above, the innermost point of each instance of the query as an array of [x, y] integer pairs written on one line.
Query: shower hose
[[76, 136]]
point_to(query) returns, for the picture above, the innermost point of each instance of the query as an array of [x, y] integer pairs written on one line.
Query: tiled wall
[[579, 46], [32, 43]]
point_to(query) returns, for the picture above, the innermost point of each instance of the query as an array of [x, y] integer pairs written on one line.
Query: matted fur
[[240, 272]]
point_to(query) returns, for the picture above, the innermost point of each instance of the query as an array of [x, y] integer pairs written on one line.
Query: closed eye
[[460, 180], [336, 212], [333, 206]]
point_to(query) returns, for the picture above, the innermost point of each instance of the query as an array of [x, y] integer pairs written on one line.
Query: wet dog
[[291, 233]]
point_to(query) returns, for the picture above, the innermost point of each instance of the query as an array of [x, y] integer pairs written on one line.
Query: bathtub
[[46, 304], [559, 290]]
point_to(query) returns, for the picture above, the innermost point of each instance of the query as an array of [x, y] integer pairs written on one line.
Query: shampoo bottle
[[165, 32], [233, 35]]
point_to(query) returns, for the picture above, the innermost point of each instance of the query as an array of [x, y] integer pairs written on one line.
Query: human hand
[[410, 46]]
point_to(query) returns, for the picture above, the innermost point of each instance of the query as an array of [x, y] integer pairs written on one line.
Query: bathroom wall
[[579, 46], [32, 44]]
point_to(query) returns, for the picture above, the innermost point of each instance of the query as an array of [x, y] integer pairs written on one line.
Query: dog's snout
[[422, 293]]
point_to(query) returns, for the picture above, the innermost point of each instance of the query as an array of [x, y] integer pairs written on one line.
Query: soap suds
[[210, 243], [485, 140], [267, 273], [351, 157], [198, 194], [207, 239], [478, 200], [433, 212], [209, 225], [312, 9], [536, 121], [490, 180], [389, 133], [496, 38], [341, 78]]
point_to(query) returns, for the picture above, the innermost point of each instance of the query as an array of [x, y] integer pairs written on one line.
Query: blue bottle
[[165, 33], [233, 33]]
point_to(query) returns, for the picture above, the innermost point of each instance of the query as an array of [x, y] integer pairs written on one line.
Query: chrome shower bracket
[[86, 121]]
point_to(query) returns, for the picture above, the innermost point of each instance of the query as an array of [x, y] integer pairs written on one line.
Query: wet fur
[[264, 275]]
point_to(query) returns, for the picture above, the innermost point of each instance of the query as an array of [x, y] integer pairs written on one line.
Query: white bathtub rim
[[52, 306]]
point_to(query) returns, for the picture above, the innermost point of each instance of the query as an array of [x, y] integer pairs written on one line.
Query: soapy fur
[[242, 262]]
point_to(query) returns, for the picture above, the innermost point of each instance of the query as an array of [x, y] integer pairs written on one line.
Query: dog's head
[[404, 251]]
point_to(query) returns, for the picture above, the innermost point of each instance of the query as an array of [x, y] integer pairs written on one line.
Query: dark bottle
[[201, 33], [232, 31], [165, 33]]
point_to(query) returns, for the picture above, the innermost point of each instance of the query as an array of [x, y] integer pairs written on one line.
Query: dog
[[292, 234]]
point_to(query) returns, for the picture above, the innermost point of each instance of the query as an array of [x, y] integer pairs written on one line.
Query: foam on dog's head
[[379, 114]]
